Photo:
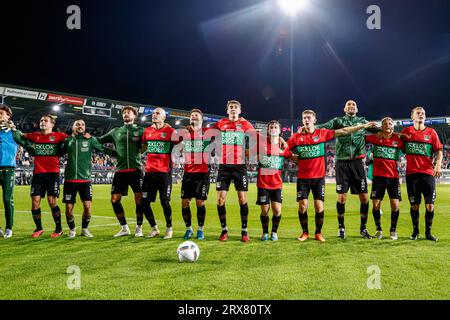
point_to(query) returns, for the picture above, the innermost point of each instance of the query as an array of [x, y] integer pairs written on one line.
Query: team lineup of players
[[235, 140]]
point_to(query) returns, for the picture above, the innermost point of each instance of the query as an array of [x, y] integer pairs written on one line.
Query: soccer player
[[47, 148], [195, 184], [270, 183], [421, 143], [157, 142], [77, 175], [350, 168], [386, 151], [8, 150], [310, 148], [232, 167], [127, 142]]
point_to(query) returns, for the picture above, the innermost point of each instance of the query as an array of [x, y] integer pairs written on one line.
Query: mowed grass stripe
[[142, 268]]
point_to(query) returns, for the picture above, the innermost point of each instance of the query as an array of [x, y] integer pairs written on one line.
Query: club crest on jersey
[[163, 135], [85, 144], [52, 138], [239, 126], [395, 144], [136, 133], [316, 138], [427, 138]]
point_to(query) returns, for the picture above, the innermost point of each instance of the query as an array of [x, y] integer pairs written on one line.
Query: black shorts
[[235, 172], [154, 182], [42, 183], [380, 184], [195, 185], [418, 184], [265, 196], [71, 188], [122, 180], [317, 186], [351, 174]]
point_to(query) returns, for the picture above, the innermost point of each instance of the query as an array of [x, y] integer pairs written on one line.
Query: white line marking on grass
[[76, 215]]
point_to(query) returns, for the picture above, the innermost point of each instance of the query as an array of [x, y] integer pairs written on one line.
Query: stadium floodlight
[[144, 118], [177, 122], [292, 7], [56, 107]]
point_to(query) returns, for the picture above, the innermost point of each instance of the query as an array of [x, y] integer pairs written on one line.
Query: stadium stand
[[101, 115]]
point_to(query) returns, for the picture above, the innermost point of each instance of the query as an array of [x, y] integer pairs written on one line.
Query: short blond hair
[[416, 108], [386, 119], [229, 102], [52, 117], [309, 112]]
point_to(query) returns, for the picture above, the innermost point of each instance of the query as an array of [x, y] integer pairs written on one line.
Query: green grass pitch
[[142, 268]]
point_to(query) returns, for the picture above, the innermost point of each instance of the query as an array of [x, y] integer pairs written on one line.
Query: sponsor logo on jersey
[[196, 146], [154, 146], [233, 138], [311, 151], [271, 162], [386, 152], [418, 148], [48, 149]]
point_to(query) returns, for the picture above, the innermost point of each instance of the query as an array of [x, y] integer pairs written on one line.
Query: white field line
[[128, 219]]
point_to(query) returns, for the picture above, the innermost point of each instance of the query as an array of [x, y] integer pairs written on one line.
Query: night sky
[[201, 53]]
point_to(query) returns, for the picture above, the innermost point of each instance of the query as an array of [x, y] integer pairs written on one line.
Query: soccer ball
[[188, 251]]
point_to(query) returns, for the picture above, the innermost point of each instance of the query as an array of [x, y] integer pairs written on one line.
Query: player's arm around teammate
[[79, 150], [271, 157], [421, 144], [128, 173], [233, 131], [158, 141], [386, 152], [47, 145], [350, 169], [195, 184], [309, 145]]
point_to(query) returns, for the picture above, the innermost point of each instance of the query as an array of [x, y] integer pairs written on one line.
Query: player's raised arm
[[108, 137], [332, 124], [349, 130], [99, 147]]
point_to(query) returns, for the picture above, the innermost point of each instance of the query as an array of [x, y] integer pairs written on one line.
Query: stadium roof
[[29, 104]]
